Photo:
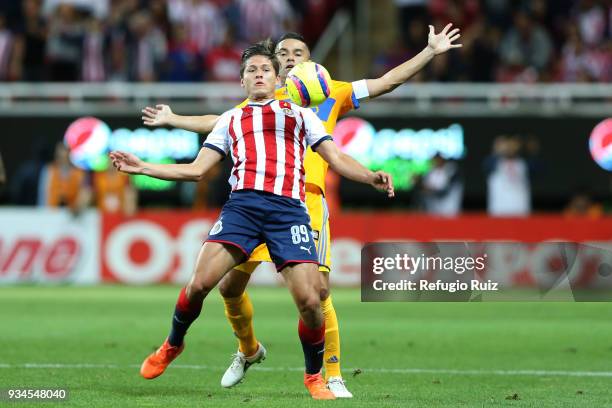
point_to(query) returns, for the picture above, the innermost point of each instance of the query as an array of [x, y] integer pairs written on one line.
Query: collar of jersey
[[269, 101]]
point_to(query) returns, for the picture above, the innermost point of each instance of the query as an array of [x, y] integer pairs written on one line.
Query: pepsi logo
[[600, 144]]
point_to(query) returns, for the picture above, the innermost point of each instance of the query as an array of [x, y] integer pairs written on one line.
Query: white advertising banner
[[49, 246]]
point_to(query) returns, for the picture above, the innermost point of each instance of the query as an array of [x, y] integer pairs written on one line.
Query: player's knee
[[323, 294], [198, 288], [308, 304], [228, 290]]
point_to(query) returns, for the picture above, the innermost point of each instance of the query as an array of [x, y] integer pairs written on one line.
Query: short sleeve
[[349, 95], [315, 131], [218, 139]]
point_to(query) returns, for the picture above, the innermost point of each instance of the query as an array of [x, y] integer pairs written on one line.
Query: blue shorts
[[250, 218]]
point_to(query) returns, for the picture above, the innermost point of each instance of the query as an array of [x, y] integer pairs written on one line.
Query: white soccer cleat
[[338, 388], [240, 364]]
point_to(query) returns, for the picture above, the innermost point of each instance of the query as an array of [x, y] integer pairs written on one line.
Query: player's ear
[[242, 82]]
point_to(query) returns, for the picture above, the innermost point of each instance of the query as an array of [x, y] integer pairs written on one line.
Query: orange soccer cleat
[[157, 362], [317, 387]]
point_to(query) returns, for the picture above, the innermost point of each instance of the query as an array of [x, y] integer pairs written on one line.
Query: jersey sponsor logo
[[217, 228], [306, 249]]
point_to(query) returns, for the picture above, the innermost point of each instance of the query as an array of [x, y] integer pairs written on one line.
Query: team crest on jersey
[[217, 228], [288, 112]]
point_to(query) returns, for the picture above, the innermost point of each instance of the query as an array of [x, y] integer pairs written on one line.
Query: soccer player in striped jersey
[[267, 141], [291, 50]]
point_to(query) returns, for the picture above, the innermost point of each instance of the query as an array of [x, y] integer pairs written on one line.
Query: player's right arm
[[194, 171], [162, 115], [215, 148]]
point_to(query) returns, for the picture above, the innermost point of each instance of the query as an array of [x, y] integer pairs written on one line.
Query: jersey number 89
[[299, 234]]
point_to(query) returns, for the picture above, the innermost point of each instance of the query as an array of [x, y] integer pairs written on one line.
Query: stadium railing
[[432, 99]]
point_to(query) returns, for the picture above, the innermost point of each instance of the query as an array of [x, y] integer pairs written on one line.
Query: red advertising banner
[[162, 246]]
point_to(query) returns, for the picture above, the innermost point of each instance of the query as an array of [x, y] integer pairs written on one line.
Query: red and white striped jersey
[[267, 142]]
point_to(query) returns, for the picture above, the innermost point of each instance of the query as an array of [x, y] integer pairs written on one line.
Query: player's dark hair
[[292, 36], [261, 48]]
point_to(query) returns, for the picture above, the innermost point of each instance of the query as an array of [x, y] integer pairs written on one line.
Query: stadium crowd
[[143, 40], [193, 40], [510, 40]]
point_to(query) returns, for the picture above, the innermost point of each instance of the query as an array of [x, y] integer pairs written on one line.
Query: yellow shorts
[[319, 222]]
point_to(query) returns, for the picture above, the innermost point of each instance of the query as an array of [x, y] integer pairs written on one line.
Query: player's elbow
[[197, 173], [198, 176]]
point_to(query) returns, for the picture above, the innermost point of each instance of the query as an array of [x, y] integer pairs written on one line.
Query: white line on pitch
[[539, 373]]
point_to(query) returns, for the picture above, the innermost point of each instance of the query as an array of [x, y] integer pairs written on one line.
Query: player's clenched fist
[[384, 182], [126, 162], [160, 115]]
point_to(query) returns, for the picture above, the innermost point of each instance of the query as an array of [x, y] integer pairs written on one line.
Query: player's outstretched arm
[[350, 168], [436, 44], [162, 115], [195, 171]]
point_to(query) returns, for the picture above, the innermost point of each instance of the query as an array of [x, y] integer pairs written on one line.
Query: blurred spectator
[[64, 44], [63, 184], [183, 61], [113, 192], [25, 185], [223, 62], [31, 42], [498, 13], [591, 20], [462, 13], [442, 188], [97, 8], [314, 16], [94, 50], [508, 177], [146, 48], [526, 47], [479, 52], [261, 19], [410, 10], [6, 51], [582, 205], [203, 20], [581, 63]]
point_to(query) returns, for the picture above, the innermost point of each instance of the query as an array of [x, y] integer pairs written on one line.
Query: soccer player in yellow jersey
[[291, 50]]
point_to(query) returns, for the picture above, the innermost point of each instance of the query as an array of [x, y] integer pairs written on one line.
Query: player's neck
[[260, 98]]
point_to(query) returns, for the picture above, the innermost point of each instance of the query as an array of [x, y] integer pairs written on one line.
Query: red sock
[[313, 345], [185, 313]]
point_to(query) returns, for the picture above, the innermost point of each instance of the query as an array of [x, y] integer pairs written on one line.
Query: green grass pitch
[[92, 340]]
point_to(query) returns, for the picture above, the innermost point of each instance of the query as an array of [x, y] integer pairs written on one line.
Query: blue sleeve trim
[[355, 101], [215, 148], [321, 140]]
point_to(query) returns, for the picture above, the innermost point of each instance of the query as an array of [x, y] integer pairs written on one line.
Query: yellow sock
[[331, 356], [239, 312]]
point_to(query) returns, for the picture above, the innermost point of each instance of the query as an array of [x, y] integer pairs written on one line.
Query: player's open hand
[[126, 162], [443, 42], [384, 182], [158, 116]]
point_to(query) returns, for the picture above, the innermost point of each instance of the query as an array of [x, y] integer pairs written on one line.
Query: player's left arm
[[350, 168], [436, 44]]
